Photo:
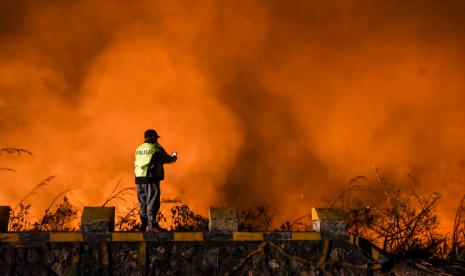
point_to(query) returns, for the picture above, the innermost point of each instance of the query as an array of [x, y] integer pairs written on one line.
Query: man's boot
[[153, 225], [144, 223]]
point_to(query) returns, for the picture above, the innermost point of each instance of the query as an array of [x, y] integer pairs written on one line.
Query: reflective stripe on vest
[[144, 154]]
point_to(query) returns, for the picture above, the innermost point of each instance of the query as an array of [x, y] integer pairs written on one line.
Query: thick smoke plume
[[266, 101]]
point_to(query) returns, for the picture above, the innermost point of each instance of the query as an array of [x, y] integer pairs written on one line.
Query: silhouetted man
[[148, 170]]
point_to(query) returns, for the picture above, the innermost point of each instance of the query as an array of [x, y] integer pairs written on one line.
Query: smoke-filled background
[[279, 102]]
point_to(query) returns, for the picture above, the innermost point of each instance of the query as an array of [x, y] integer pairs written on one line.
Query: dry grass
[[119, 194], [457, 248], [35, 190], [13, 151], [18, 151]]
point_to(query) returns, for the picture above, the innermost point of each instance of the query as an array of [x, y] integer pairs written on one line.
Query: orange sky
[[266, 101]]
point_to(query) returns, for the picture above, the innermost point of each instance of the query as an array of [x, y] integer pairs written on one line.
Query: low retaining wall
[[189, 253]]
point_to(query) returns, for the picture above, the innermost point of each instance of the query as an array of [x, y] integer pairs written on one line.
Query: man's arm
[[164, 157]]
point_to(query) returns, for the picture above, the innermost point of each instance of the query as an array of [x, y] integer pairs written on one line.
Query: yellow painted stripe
[[188, 236], [127, 237], [314, 214], [306, 236], [66, 237], [9, 237], [247, 236]]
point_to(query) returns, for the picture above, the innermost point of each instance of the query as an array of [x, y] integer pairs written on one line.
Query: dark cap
[[150, 134]]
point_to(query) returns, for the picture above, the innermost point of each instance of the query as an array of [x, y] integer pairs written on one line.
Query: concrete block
[[98, 219], [222, 219], [330, 222], [4, 218]]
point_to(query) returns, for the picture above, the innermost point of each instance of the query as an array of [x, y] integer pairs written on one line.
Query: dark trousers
[[148, 196]]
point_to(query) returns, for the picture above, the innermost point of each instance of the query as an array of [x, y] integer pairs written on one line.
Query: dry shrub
[[184, 219], [405, 226], [129, 220], [56, 218], [20, 218], [59, 219], [255, 219], [303, 223]]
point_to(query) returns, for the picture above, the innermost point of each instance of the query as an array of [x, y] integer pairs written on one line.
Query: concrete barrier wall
[[190, 253], [97, 250]]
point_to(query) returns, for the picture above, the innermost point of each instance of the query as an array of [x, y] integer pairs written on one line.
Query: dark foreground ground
[[202, 253]]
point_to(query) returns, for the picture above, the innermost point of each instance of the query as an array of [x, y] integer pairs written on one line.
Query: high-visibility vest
[[144, 155]]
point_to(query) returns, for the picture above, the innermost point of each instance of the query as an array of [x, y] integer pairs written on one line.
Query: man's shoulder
[[148, 146], [158, 146], [143, 145], [155, 146]]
